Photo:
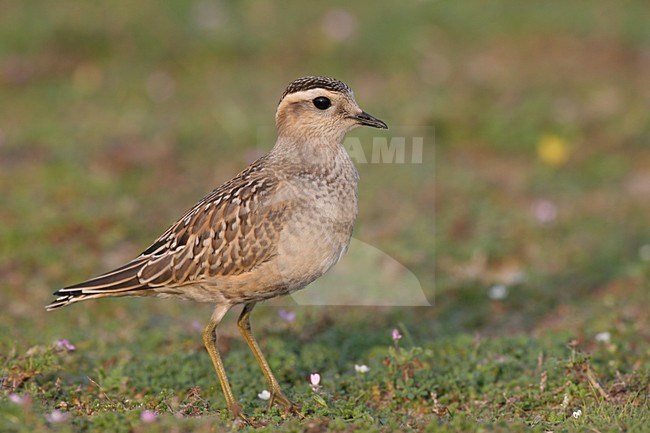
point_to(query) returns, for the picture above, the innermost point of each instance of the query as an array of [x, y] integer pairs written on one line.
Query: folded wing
[[231, 231]]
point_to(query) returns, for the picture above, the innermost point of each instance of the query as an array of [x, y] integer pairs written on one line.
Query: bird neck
[[317, 152]]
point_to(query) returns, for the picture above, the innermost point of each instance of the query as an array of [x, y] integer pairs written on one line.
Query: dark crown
[[307, 83]]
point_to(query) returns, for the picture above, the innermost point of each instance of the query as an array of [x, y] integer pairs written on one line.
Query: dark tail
[[119, 282]]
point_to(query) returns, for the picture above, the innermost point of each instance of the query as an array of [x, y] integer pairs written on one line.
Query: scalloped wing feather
[[231, 231]]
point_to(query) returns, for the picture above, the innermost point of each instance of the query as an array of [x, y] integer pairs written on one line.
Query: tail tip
[[61, 301]]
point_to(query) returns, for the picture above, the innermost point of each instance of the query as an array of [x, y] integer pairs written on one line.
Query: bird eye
[[322, 103]]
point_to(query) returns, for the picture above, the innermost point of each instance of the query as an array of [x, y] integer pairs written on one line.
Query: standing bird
[[271, 230]]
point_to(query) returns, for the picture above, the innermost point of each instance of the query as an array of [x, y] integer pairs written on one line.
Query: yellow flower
[[552, 150]]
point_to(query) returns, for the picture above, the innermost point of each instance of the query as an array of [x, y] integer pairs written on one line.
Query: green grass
[[115, 118]]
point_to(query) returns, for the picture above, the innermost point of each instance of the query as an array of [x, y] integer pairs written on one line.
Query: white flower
[[603, 337], [361, 368], [644, 252], [57, 416], [264, 395], [498, 292], [577, 414], [314, 380]]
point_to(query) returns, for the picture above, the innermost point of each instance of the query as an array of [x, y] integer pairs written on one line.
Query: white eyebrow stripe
[[305, 95]]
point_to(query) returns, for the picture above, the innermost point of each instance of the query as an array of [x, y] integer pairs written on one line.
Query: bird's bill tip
[[369, 120]]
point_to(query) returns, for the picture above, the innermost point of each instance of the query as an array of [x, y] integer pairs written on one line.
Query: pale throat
[[307, 151]]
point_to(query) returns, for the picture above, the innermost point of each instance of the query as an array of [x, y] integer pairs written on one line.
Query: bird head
[[320, 108]]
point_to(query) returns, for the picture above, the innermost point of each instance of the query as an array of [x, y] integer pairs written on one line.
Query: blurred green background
[[526, 224]]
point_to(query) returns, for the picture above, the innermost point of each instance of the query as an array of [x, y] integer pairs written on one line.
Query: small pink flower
[[196, 326], [18, 399], [314, 379], [287, 316], [545, 211], [65, 345], [148, 416], [56, 416], [396, 335]]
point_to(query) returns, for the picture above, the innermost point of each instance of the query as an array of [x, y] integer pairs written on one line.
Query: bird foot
[[289, 406], [240, 420]]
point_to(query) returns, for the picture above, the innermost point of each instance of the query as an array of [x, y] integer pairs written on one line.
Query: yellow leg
[[277, 396], [210, 341]]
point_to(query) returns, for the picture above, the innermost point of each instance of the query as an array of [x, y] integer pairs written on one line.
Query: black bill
[[370, 120]]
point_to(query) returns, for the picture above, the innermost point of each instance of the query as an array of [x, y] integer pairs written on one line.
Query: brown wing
[[230, 231], [228, 234]]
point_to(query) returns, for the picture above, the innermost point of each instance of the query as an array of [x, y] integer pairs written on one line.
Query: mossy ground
[[114, 117]]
